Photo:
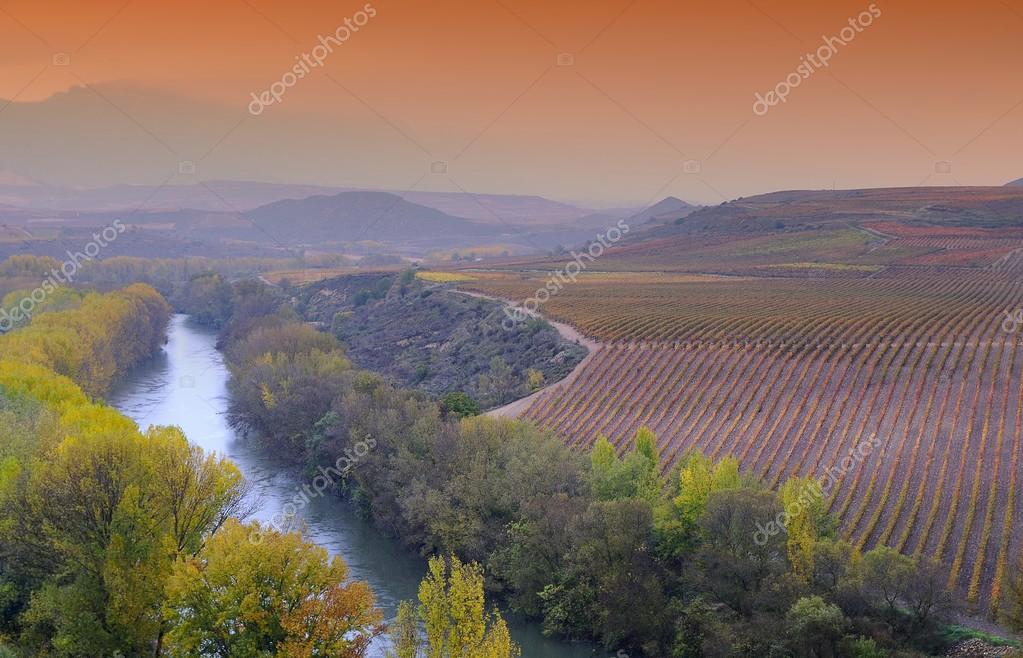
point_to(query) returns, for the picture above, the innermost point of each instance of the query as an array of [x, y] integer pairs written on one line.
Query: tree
[[115, 508], [815, 627], [459, 405], [736, 564], [452, 607], [887, 574], [199, 492], [253, 591], [534, 379], [637, 475], [835, 563], [499, 385], [284, 380], [806, 511], [927, 594], [861, 647], [610, 573], [676, 523], [208, 298], [101, 514], [404, 633]]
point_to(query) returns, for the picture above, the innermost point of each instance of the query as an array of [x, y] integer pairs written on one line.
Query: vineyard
[[789, 374]]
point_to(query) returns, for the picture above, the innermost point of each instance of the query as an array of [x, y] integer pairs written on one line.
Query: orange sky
[[477, 84]]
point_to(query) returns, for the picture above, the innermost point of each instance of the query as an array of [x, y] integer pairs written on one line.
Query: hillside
[[426, 336], [869, 318], [843, 234]]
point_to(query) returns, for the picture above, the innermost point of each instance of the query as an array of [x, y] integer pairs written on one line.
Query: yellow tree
[[252, 591], [452, 607], [804, 511]]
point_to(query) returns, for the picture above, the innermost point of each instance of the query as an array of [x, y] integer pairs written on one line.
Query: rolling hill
[[353, 216]]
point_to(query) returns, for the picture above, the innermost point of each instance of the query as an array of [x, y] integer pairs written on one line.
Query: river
[[186, 385]]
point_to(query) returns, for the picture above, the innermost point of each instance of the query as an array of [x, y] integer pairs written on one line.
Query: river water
[[186, 385]]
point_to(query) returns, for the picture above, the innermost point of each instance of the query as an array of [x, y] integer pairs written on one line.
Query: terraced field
[[790, 374]]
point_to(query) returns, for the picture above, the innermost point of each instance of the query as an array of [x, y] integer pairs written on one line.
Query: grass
[[954, 634]]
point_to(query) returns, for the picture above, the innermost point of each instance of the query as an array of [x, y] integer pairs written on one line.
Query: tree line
[[120, 542]]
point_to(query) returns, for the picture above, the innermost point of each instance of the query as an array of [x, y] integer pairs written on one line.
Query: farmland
[[789, 351]]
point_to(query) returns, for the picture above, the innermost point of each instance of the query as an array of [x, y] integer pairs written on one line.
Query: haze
[[650, 85]]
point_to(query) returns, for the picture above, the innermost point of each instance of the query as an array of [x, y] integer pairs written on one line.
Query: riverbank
[[186, 385]]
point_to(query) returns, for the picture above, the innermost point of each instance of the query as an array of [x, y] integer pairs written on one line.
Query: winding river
[[186, 385]]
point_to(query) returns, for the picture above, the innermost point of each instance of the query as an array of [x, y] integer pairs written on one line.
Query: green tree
[[208, 298], [460, 405], [676, 523], [637, 475], [887, 574], [610, 573], [534, 380], [736, 565], [815, 627]]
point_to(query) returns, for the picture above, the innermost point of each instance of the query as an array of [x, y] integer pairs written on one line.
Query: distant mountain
[[272, 215], [211, 195], [354, 216], [224, 195], [500, 208], [666, 210], [1018, 182]]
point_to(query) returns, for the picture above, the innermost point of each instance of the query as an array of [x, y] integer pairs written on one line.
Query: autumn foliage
[[108, 533]]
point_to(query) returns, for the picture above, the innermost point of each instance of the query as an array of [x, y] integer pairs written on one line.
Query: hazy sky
[[601, 101]]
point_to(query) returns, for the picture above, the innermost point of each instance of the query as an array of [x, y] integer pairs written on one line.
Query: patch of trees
[[115, 541], [101, 337]]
